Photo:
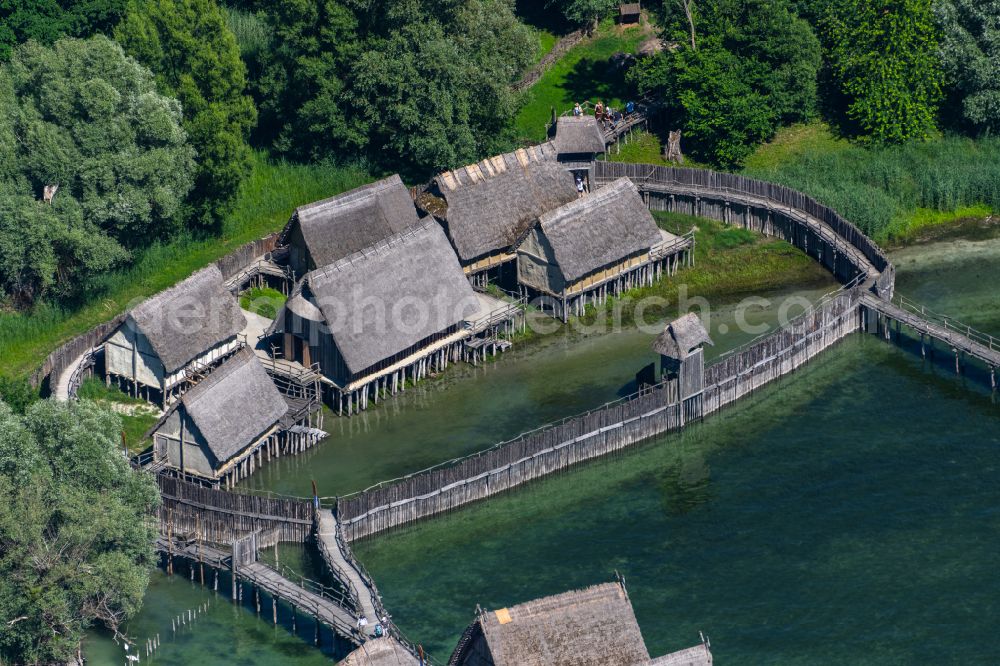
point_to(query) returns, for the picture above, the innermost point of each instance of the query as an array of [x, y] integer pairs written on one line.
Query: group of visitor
[[607, 117]]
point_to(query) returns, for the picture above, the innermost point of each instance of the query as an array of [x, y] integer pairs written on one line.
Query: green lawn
[[729, 261], [265, 202], [546, 42], [134, 425], [263, 301], [583, 74]]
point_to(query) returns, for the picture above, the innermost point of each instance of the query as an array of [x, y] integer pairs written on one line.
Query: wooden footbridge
[[227, 531], [963, 341]]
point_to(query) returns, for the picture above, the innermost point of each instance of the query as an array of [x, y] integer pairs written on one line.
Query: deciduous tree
[[83, 116], [189, 47], [884, 57], [75, 530], [48, 20], [970, 50]]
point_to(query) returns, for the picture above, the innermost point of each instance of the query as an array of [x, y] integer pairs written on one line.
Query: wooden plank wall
[[220, 517], [243, 256], [741, 373], [599, 432], [646, 174]]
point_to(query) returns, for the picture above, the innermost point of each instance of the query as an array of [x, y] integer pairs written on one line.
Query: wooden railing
[[948, 323]]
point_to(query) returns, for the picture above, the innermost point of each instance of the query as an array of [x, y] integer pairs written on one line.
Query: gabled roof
[[681, 336], [186, 320], [386, 299], [492, 203], [595, 625], [234, 405], [599, 229], [349, 222], [578, 134]]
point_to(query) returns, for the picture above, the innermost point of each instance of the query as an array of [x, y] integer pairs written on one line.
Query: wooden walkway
[[345, 569], [961, 339], [324, 609]]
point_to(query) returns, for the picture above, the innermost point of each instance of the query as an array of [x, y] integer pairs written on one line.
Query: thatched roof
[[600, 229], [234, 405], [681, 336], [347, 223], [699, 655], [188, 319], [578, 134], [384, 651], [491, 204], [414, 273], [595, 625]]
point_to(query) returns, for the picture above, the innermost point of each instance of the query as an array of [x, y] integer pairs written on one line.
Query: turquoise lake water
[[848, 514]]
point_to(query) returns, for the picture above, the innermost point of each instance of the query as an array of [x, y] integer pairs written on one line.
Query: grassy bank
[[729, 262], [584, 73], [136, 414], [265, 202], [891, 193]]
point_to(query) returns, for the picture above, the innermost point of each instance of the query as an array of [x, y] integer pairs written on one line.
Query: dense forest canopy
[[413, 86]]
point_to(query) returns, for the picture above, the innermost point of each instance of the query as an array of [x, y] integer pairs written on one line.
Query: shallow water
[[847, 514], [468, 409]]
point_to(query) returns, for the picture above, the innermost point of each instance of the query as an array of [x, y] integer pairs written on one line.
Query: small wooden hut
[[212, 433], [374, 319], [682, 358], [604, 242], [168, 339], [320, 233], [487, 207], [629, 13], [578, 142]]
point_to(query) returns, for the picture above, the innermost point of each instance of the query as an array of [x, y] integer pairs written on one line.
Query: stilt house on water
[[392, 312], [606, 242], [487, 207], [169, 339], [320, 233], [578, 142], [595, 626], [225, 425]]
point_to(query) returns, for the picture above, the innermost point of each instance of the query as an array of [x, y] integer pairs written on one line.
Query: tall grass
[[890, 192], [264, 204]]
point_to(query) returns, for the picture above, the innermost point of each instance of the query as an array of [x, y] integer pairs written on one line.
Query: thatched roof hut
[[323, 232], [577, 135], [383, 302], [681, 337], [224, 415], [595, 625], [629, 12], [490, 205], [384, 651], [600, 229], [193, 316]]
